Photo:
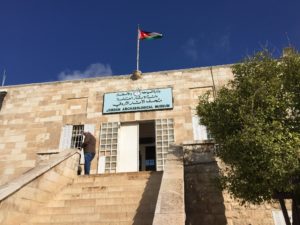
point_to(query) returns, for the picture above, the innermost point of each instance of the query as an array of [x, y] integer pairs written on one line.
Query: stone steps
[[89, 217], [94, 202], [103, 195], [115, 199], [97, 209], [136, 221], [101, 182], [103, 188]]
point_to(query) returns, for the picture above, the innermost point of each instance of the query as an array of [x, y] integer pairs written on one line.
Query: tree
[[255, 121]]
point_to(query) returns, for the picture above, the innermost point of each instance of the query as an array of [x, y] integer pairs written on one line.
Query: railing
[[21, 197]]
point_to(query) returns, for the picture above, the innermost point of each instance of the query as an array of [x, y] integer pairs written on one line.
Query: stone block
[[169, 220]]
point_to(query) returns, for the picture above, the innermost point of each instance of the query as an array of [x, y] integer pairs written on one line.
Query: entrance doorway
[[132, 146], [150, 158], [147, 149]]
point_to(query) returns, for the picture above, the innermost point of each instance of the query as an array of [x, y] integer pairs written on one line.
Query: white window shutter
[[279, 219], [101, 165], [200, 131], [65, 137], [89, 128]]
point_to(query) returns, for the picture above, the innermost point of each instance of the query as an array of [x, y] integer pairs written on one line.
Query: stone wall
[[32, 116], [206, 204]]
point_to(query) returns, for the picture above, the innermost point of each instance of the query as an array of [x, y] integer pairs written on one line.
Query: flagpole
[[3, 78], [137, 74], [138, 49]]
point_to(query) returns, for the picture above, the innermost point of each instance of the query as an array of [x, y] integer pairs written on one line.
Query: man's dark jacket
[[89, 144]]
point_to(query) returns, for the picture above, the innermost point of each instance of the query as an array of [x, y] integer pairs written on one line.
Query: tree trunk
[[284, 211]]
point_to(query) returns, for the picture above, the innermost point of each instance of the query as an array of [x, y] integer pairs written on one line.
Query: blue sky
[[50, 40]]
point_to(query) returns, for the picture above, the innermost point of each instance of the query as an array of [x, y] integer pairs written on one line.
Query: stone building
[[136, 124]]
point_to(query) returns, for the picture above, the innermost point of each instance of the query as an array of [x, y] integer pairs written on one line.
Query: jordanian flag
[[144, 35]]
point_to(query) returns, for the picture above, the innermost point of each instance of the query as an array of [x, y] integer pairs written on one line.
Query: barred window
[[77, 138]]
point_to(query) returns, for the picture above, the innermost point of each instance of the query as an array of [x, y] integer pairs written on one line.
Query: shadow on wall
[[146, 209], [204, 203]]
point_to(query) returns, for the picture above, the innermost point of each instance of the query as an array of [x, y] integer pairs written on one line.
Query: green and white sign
[[138, 100]]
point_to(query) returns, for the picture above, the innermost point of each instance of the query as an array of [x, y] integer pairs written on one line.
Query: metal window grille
[[77, 138]]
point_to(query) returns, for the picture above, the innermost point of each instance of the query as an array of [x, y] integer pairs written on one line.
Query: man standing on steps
[[89, 149]]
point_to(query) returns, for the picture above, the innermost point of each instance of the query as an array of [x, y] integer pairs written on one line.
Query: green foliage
[[256, 122]]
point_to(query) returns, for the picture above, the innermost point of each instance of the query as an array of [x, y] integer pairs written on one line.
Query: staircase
[[110, 199]]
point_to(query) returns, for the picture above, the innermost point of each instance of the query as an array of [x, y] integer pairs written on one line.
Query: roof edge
[[117, 76]]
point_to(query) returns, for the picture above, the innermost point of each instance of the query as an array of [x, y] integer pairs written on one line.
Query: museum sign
[[138, 100]]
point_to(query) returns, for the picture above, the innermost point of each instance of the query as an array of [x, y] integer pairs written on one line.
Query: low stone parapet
[[170, 208], [20, 198]]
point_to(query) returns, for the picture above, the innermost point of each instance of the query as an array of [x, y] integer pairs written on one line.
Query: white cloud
[[190, 49], [206, 47], [93, 70]]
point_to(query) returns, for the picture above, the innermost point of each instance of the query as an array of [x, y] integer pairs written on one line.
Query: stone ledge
[[48, 151], [113, 77], [202, 142]]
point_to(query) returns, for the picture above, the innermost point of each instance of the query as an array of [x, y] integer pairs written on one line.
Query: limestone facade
[[32, 115]]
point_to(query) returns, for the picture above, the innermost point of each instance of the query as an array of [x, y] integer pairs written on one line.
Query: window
[[201, 133], [77, 137], [150, 162], [164, 130], [108, 147], [71, 135]]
